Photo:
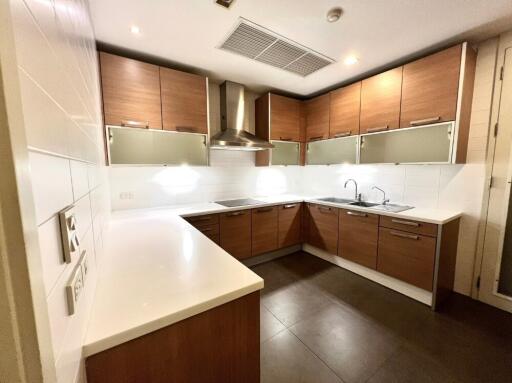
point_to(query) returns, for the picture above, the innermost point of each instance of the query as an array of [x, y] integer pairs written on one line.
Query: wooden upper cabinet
[[131, 92], [284, 118], [380, 101], [430, 88], [345, 107], [183, 101], [264, 230], [317, 118]]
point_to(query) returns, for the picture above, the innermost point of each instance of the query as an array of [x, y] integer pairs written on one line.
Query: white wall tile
[[50, 246], [79, 178]]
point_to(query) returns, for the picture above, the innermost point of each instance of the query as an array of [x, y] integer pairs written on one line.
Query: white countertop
[[158, 269]]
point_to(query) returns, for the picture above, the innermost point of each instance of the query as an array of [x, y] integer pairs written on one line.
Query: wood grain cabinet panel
[[406, 256], [380, 101], [345, 107], [264, 230], [317, 118], [323, 227], [409, 225], [289, 224], [203, 220], [131, 92], [183, 101], [218, 345], [235, 233], [284, 118], [358, 237], [430, 88]]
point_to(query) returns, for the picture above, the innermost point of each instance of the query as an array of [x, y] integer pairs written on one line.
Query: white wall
[[59, 82]]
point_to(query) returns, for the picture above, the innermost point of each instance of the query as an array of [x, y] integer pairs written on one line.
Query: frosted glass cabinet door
[[429, 144], [285, 153], [334, 151], [129, 146]]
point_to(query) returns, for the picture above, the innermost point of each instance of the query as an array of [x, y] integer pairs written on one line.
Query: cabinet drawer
[[408, 257], [323, 227], [289, 224], [209, 230], [409, 225], [264, 230], [358, 237], [235, 233], [203, 220]]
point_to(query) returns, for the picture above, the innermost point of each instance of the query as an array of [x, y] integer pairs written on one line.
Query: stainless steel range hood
[[233, 134]]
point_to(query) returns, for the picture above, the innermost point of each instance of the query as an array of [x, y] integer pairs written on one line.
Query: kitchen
[[245, 190]]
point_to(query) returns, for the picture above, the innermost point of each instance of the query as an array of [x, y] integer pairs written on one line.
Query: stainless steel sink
[[336, 200], [363, 204], [392, 208]]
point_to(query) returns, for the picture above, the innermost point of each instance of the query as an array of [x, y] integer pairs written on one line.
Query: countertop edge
[[95, 347]]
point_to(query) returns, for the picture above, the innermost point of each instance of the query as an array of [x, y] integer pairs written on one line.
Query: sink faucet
[[358, 195], [384, 200]]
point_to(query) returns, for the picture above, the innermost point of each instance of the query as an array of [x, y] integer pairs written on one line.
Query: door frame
[[491, 297]]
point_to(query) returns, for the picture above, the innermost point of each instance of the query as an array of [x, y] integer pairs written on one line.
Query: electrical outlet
[[69, 235], [85, 266], [74, 289], [126, 195]]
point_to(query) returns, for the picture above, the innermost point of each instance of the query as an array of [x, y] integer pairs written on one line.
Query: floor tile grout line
[[384, 362], [315, 354]]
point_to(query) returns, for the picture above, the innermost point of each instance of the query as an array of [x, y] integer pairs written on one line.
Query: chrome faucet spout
[[384, 199], [357, 195]]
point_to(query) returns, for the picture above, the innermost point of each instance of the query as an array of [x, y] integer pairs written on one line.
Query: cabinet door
[[380, 101], [131, 92], [317, 118], [406, 256], [430, 88], [235, 233], [289, 227], [323, 227], [345, 107], [284, 118], [358, 237], [264, 230], [183, 101]]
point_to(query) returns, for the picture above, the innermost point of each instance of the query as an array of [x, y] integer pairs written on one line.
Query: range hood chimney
[[233, 134]]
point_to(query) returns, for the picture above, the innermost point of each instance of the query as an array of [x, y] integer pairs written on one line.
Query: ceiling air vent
[[258, 43]]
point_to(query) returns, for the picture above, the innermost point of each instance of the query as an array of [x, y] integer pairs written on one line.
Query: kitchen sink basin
[[392, 208], [363, 204], [336, 200]]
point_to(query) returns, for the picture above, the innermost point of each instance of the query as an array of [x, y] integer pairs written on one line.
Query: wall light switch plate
[[74, 289], [69, 235]]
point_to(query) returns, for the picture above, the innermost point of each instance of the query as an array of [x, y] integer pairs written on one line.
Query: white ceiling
[[379, 32]]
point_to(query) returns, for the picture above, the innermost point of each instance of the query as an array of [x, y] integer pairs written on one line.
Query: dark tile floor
[[320, 323]]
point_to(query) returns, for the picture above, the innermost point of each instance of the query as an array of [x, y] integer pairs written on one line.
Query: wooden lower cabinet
[[358, 237], [207, 224], [218, 345], [289, 224], [235, 233], [407, 256], [264, 230], [322, 229]]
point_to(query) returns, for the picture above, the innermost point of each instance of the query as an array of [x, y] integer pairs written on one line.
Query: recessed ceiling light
[[334, 14], [351, 60], [135, 29]]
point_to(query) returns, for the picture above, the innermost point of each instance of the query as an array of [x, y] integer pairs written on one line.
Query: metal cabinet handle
[[135, 124], [408, 223], [264, 210], [401, 235], [425, 121], [316, 138], [357, 214], [289, 206], [343, 134], [200, 219], [324, 208], [235, 214], [285, 138], [207, 229], [186, 129], [378, 129]]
